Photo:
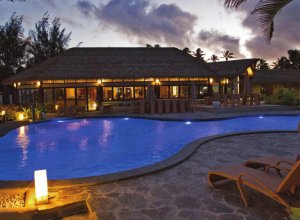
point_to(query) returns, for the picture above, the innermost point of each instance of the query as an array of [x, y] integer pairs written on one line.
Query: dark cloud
[[147, 23], [218, 42], [86, 7], [286, 35]]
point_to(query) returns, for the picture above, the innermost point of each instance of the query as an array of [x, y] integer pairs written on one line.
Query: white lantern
[[41, 186]]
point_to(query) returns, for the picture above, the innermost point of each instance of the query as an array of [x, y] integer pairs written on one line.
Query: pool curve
[[80, 148]]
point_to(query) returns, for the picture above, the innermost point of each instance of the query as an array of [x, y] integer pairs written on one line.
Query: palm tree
[[214, 58], [227, 55], [294, 57], [282, 63], [199, 54], [262, 65], [186, 50], [266, 11]]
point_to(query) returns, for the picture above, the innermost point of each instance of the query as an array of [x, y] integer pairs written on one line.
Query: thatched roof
[[232, 68], [291, 76], [140, 62]]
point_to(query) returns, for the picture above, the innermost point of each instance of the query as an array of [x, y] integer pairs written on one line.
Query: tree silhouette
[[266, 11], [226, 54], [214, 58], [199, 54], [186, 50], [294, 57], [262, 65], [46, 40], [13, 46], [282, 63]]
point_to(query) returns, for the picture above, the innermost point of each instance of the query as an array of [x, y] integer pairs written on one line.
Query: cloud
[[286, 35], [217, 42], [145, 22]]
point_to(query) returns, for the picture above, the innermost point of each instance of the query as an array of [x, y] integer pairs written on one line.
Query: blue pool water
[[88, 147]]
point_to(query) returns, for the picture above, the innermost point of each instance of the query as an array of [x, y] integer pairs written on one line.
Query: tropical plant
[[199, 54], [46, 40], [186, 50], [266, 11], [282, 63], [262, 65], [226, 54], [283, 97], [26, 112], [214, 58]]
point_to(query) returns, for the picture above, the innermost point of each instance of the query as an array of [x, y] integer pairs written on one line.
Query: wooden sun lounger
[[280, 189]]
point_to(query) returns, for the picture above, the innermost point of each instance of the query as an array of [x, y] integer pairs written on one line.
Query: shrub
[[283, 97]]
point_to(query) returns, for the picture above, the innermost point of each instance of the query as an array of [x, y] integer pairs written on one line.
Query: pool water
[[88, 147]]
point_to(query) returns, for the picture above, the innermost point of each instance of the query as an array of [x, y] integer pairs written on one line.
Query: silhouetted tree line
[[19, 51]]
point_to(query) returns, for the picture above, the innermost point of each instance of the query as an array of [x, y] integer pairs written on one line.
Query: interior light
[[41, 186], [3, 112], [38, 83], [99, 81], [211, 80]]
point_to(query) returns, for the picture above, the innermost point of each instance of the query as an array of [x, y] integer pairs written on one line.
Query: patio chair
[[280, 189], [275, 161]]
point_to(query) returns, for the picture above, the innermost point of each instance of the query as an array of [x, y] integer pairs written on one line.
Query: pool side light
[[188, 123], [60, 121], [126, 119], [41, 187], [261, 117]]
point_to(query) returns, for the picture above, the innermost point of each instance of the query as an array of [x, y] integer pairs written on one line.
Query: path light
[[21, 116], [41, 187]]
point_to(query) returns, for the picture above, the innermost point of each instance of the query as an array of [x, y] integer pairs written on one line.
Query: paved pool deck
[[182, 192]]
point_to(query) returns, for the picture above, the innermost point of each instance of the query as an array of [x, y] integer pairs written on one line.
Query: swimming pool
[[97, 146]]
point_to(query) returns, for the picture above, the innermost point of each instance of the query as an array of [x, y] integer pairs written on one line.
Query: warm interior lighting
[[95, 105], [249, 71], [41, 186], [211, 80], [15, 85], [99, 81], [19, 83], [56, 107], [157, 81], [227, 81], [2, 112], [21, 116], [38, 83]]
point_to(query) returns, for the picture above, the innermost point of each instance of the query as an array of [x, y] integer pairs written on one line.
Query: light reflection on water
[[22, 143], [87, 147]]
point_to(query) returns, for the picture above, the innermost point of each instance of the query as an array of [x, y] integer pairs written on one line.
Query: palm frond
[[233, 3], [266, 11]]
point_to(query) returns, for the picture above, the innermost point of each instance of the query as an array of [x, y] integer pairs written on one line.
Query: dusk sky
[[179, 23]]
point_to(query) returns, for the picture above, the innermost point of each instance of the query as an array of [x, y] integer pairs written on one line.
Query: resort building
[[86, 77], [271, 81]]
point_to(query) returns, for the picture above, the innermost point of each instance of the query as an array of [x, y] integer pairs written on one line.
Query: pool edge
[[186, 152]]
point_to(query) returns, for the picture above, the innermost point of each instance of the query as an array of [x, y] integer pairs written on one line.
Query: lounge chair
[[280, 189], [275, 161]]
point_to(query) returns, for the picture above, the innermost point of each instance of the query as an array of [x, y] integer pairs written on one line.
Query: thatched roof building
[[140, 62]]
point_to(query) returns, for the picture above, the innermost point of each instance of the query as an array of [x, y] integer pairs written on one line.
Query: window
[[128, 93], [92, 99], [184, 92], [174, 92], [164, 92], [48, 96], [215, 87], [139, 92], [118, 93], [70, 93], [81, 93], [59, 94], [107, 93]]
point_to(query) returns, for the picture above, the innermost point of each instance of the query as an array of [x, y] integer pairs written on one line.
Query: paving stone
[[133, 200], [187, 202], [103, 204], [158, 213], [230, 217]]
